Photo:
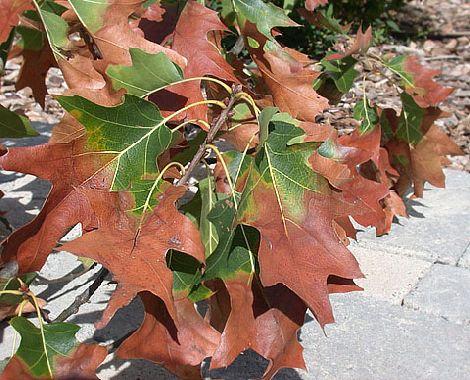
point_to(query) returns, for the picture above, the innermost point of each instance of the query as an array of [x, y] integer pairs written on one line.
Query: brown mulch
[[447, 49]]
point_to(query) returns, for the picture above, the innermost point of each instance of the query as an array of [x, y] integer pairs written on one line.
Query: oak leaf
[[418, 81], [190, 39], [80, 364], [135, 253], [290, 83], [182, 344], [11, 11]]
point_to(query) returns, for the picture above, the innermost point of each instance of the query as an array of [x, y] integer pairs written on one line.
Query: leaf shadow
[[24, 194], [248, 365]]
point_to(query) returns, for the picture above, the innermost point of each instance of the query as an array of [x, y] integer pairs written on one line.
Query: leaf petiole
[[41, 328]]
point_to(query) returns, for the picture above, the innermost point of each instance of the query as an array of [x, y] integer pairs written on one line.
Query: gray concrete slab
[[389, 277], [375, 340], [464, 261], [456, 179], [438, 229], [442, 240], [444, 292]]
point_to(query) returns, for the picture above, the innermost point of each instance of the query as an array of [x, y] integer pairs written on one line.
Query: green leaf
[[409, 123], [234, 253], [31, 39], [4, 49], [13, 125], [342, 72], [285, 168], [237, 244], [387, 131], [134, 132], [208, 199], [56, 27], [187, 276], [53, 7], [39, 350], [264, 118], [148, 73], [266, 16], [395, 65], [90, 13], [325, 19], [10, 284], [367, 115]]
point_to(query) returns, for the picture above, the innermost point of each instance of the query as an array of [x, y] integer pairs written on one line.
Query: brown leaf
[[342, 172], [34, 70], [425, 91], [294, 243], [360, 45], [180, 344], [191, 41], [424, 162], [136, 255], [67, 169], [271, 318], [289, 81], [10, 11], [159, 20], [427, 159], [82, 364]]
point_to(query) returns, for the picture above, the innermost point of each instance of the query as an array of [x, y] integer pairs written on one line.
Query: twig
[[441, 36], [443, 58], [84, 297], [210, 135]]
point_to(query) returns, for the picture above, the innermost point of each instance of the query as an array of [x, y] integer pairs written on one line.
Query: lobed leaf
[[134, 134], [13, 125], [39, 349], [148, 74]]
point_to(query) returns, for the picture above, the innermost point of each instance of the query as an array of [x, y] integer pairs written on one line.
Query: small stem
[[192, 121], [207, 79], [41, 328], [250, 100], [15, 337], [210, 135], [155, 184], [14, 292]]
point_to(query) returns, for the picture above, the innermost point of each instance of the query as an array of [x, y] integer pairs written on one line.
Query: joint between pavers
[[467, 249], [420, 278]]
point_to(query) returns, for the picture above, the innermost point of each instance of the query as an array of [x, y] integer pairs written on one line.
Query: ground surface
[[412, 320]]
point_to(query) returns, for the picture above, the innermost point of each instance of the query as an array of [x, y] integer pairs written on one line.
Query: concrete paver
[[444, 292], [388, 276], [464, 261], [376, 340], [435, 239]]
